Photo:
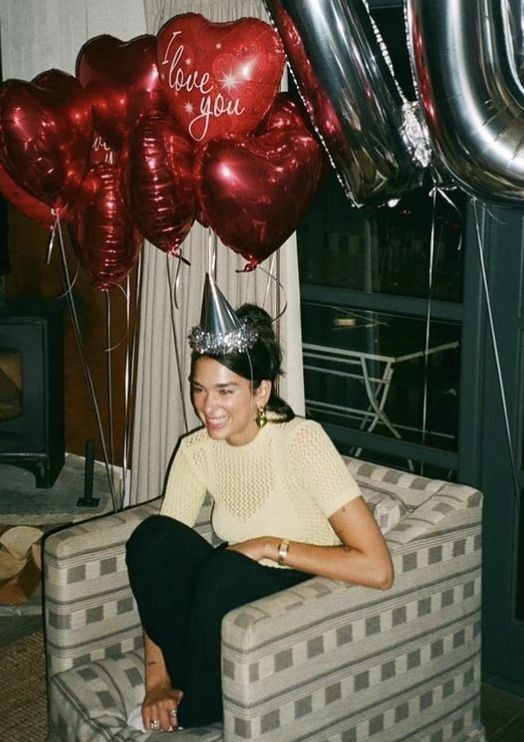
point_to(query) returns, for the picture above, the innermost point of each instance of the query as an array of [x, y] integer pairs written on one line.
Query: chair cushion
[[91, 702], [386, 510], [410, 489], [391, 494]]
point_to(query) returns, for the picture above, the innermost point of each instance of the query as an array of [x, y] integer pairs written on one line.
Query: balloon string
[[496, 354], [453, 205], [178, 255], [49, 254], [428, 323], [130, 372], [268, 282], [122, 498], [85, 368], [244, 289], [52, 236], [126, 330], [177, 349], [123, 484], [212, 249], [431, 269], [280, 285], [494, 216], [73, 282], [109, 374], [177, 280]]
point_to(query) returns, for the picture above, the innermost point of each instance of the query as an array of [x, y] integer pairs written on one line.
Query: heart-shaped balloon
[[220, 78], [285, 113], [104, 235], [101, 152], [161, 183], [24, 201], [253, 191], [46, 130], [122, 81]]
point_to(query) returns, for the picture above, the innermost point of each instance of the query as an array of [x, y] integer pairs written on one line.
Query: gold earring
[[261, 418]]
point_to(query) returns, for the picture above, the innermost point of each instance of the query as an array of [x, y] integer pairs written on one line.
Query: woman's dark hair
[[262, 361]]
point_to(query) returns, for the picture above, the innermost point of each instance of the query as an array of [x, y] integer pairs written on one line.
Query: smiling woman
[[226, 402], [230, 391], [285, 507]]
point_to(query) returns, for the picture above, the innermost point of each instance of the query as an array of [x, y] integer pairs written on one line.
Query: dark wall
[[32, 278]]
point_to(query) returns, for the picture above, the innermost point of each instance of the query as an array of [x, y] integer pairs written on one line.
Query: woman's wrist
[[271, 548], [283, 549], [157, 680], [277, 549], [156, 675]]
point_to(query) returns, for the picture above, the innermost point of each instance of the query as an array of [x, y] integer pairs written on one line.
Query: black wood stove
[[32, 388]]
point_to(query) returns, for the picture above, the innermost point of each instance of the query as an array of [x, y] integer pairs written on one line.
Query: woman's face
[[225, 402]]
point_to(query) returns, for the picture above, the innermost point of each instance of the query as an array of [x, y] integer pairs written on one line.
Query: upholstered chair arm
[[90, 612], [296, 661], [89, 609]]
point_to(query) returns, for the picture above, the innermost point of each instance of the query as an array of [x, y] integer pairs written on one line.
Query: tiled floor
[[502, 713]]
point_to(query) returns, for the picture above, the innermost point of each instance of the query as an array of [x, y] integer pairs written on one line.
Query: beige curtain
[[38, 36], [163, 409]]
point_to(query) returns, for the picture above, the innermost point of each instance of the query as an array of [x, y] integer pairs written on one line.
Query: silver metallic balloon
[[463, 59], [374, 138], [515, 22]]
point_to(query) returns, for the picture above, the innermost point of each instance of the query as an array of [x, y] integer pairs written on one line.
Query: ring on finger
[[173, 712], [154, 723]]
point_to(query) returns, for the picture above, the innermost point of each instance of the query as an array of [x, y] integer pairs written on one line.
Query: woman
[[284, 504]]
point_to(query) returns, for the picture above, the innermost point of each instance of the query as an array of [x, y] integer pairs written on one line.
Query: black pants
[[184, 587]]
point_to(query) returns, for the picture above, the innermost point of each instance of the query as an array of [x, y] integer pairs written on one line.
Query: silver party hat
[[220, 330]]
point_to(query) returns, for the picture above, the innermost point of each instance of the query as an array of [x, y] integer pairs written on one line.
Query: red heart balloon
[[46, 130], [253, 191], [104, 236], [122, 81], [24, 201], [101, 152], [285, 113], [220, 78], [161, 182]]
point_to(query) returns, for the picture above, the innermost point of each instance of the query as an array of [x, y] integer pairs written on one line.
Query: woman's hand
[[254, 548], [362, 558], [159, 709]]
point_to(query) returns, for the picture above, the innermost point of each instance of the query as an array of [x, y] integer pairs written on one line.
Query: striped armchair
[[321, 661]]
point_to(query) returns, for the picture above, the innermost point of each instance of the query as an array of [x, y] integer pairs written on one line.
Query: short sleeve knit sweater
[[286, 483]]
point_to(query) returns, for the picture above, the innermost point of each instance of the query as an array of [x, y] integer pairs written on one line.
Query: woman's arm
[[161, 699], [363, 557]]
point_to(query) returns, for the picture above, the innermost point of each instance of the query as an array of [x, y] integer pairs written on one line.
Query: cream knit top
[[286, 482]]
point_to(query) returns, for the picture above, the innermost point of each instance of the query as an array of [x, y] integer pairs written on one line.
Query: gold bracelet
[[283, 549]]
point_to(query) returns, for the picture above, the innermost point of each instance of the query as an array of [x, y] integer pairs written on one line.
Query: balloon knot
[[249, 266], [176, 252]]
